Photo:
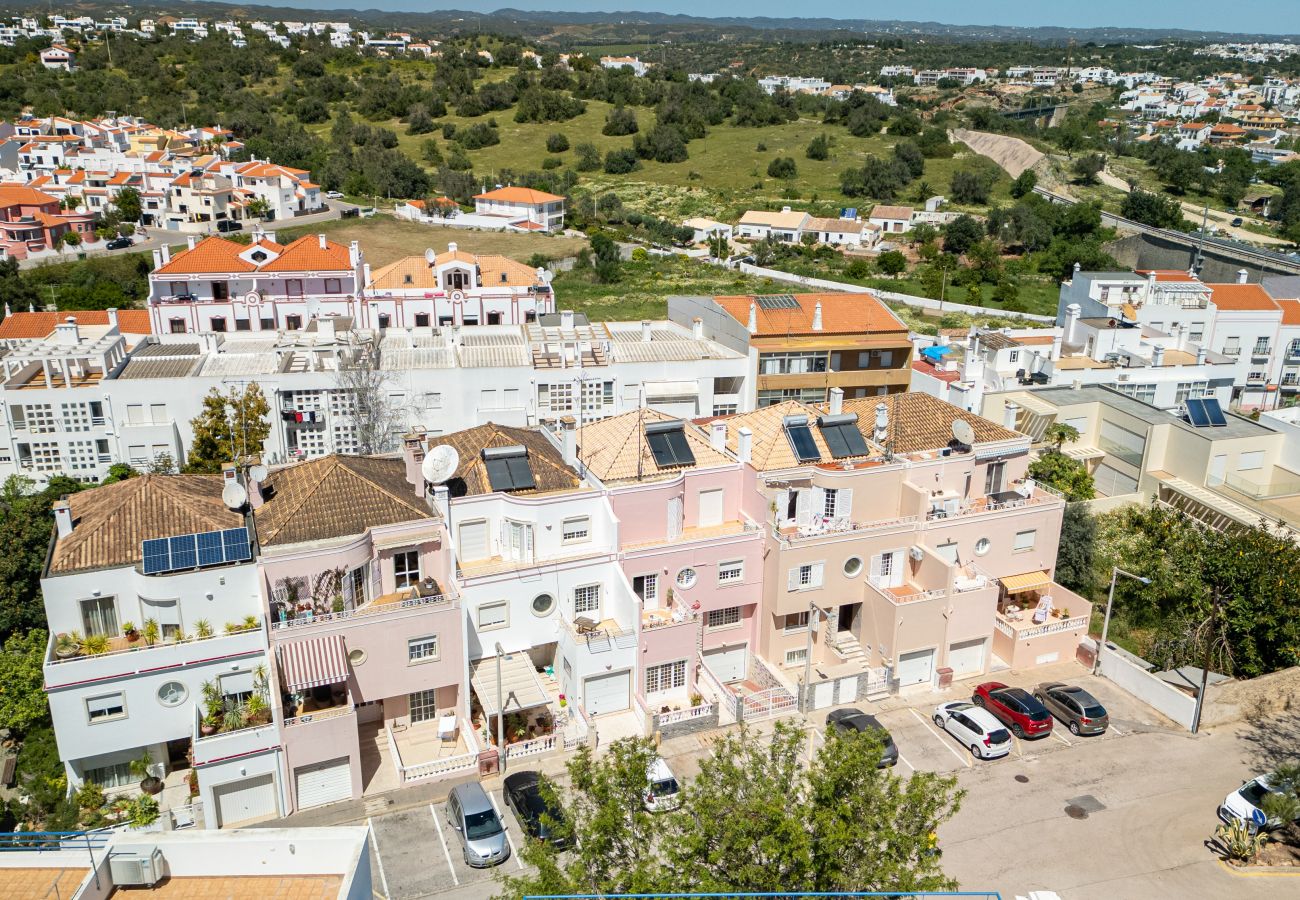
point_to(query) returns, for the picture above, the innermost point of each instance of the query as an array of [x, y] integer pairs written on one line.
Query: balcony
[[424, 751], [1040, 626], [998, 502], [388, 605], [687, 535], [795, 535], [226, 745], [123, 658], [598, 637]]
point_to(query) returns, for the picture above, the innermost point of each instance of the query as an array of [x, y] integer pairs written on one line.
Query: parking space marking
[[505, 827], [920, 718], [374, 842], [1060, 737], [442, 840], [1116, 730], [903, 760]]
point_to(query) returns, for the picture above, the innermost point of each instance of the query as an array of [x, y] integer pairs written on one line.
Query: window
[[828, 502], [731, 571], [105, 708], [982, 546], [1294, 348], [578, 529], [1197, 334], [886, 566], [686, 578], [293, 322], [853, 566], [543, 604], [1025, 539], [793, 622], [1191, 389], [333, 286], [357, 656], [1255, 376], [421, 320], [796, 657], [293, 287], [220, 290], [176, 326], [665, 677], [236, 687], [993, 477], [99, 617], [384, 320], [723, 618], [792, 362], [725, 409], [1232, 346], [1261, 347], [586, 599], [424, 706], [808, 575], [173, 693], [646, 587], [406, 568], [494, 615], [114, 776], [1013, 356], [420, 649]]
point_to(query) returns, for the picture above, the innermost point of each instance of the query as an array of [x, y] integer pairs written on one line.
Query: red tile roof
[[1242, 297], [841, 314], [518, 195], [1290, 311], [39, 324]]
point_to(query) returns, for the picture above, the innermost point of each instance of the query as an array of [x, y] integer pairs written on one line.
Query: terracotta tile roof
[[611, 447], [1170, 275], [841, 314], [306, 255], [784, 219], [40, 324], [394, 276], [770, 448], [109, 522], [1290, 311], [336, 496], [17, 194], [921, 422], [213, 254], [891, 212], [842, 226], [518, 195], [547, 465], [1241, 297]]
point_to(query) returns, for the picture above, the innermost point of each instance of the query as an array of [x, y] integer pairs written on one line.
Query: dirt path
[[1012, 154], [1222, 220]]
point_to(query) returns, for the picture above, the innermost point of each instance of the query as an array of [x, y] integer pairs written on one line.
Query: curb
[[1261, 871]]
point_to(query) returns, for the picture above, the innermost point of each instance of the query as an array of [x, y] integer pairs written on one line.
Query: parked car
[[119, 243], [856, 720], [475, 820], [227, 225], [536, 816], [1074, 706], [1246, 804], [1014, 707], [975, 728], [1236, 223], [663, 792], [333, 195]]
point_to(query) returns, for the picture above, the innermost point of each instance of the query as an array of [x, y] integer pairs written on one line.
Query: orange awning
[[1029, 581]]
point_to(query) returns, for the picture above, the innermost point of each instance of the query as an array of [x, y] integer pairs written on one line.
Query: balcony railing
[[684, 715], [121, 647], [603, 638], [1055, 626], [308, 718], [839, 526], [371, 609], [543, 744]]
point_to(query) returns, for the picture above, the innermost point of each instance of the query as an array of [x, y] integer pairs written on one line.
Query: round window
[[543, 604], [853, 566], [173, 693], [357, 656], [982, 546], [686, 578]]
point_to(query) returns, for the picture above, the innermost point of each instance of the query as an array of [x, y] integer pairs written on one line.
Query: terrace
[[1038, 621]]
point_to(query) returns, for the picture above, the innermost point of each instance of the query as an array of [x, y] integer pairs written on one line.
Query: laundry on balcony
[[312, 663]]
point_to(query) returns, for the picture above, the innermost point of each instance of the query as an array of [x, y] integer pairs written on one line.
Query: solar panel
[[1196, 413], [211, 551], [156, 557], [189, 551], [235, 545], [507, 468], [520, 473], [1214, 412], [778, 301], [842, 436], [183, 552], [668, 444], [801, 439]]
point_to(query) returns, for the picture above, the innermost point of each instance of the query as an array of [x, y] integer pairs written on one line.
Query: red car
[[1016, 708]]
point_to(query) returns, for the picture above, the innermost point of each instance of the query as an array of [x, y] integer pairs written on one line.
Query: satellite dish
[[962, 431], [430, 256], [234, 495], [257, 473], [440, 464]]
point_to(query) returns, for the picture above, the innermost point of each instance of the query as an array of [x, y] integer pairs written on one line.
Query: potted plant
[[151, 631], [250, 622], [149, 783], [128, 629], [257, 711], [94, 645], [209, 725], [696, 700], [193, 779], [67, 645], [203, 628], [1065, 612]]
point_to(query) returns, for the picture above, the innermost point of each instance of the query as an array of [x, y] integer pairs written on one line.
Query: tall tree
[[373, 416], [26, 520], [22, 681], [229, 426]]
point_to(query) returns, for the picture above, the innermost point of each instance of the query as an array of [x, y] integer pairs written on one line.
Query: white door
[[710, 508], [948, 551], [848, 689], [823, 694], [607, 693], [474, 540], [519, 541], [966, 658], [323, 782], [250, 800], [728, 664], [916, 667]]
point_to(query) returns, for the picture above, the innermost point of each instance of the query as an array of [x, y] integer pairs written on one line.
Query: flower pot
[[152, 785], [206, 729], [132, 637]]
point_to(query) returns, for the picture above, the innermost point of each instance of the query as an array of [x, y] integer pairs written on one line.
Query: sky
[[1253, 16]]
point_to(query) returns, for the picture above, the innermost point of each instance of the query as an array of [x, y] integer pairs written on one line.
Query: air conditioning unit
[[140, 868], [917, 553], [1123, 376]]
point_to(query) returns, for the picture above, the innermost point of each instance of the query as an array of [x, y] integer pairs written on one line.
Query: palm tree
[[1061, 434]]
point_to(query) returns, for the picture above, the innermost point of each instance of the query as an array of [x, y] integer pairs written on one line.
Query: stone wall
[[687, 726]]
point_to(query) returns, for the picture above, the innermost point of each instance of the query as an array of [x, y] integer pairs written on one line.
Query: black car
[[1237, 222], [856, 720], [224, 225], [539, 818], [119, 243]]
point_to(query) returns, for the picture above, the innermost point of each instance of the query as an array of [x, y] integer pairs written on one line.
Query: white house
[[58, 56], [891, 219], [524, 208], [703, 229], [787, 225]]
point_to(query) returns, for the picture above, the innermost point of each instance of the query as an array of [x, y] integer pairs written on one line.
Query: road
[[1222, 221]]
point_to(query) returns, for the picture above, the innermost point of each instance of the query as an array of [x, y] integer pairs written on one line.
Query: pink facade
[[31, 221]]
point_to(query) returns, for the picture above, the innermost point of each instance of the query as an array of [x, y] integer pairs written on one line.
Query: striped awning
[[1029, 581], [314, 662]]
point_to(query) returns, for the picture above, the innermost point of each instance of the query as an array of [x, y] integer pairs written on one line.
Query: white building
[[523, 208]]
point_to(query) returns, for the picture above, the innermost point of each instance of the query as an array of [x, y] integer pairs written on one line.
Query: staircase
[[847, 646]]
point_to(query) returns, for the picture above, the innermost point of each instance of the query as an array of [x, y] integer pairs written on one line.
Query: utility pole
[[1199, 259], [1205, 667]]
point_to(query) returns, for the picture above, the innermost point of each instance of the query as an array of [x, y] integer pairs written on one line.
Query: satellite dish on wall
[[962, 431], [257, 473], [440, 464], [234, 495], [430, 256]]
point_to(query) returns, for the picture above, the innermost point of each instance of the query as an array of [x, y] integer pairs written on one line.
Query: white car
[[1245, 804], [333, 195], [975, 728], [663, 792]]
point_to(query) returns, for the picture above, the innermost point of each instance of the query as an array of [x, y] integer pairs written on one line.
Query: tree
[[26, 520], [419, 121], [588, 157], [127, 204], [1074, 556], [430, 152], [961, 234], [1156, 210], [819, 148], [22, 683], [781, 167], [1086, 168], [367, 385], [557, 143], [911, 158], [1069, 476], [1024, 184], [662, 143], [972, 186], [620, 162], [620, 122], [1059, 434], [756, 819], [230, 426], [892, 263]]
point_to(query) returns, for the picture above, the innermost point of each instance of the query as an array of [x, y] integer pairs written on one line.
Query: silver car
[[475, 819]]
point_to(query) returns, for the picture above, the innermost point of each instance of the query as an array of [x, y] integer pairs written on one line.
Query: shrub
[[557, 143], [620, 122], [620, 162], [477, 136], [781, 167], [552, 162], [819, 148], [588, 157]]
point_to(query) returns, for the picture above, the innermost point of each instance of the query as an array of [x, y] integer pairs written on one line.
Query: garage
[[728, 664], [823, 694], [916, 667], [323, 782], [608, 693], [243, 802], [966, 658]]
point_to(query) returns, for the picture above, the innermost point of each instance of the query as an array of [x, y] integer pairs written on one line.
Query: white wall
[[1160, 696]]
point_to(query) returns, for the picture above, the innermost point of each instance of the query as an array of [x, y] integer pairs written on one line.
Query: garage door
[[324, 782], [916, 667], [966, 658], [242, 802], [608, 693], [728, 664], [823, 694]]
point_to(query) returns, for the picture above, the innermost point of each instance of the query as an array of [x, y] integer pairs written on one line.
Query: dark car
[[119, 243], [856, 720], [1014, 707], [1074, 706], [1236, 223], [539, 819], [225, 225]]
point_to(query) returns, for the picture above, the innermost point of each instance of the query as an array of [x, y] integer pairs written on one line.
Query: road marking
[[920, 718], [903, 760], [374, 840], [1116, 730], [1060, 738], [442, 840], [509, 840]]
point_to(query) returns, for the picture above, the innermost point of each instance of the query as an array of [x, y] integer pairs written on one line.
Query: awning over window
[[314, 662], [520, 688], [1029, 581]]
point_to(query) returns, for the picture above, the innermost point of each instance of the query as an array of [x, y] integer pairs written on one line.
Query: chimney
[[190, 240], [753, 318], [566, 318], [1057, 340], [325, 328], [1157, 356], [1009, 413], [354, 253], [1151, 282], [166, 254], [785, 209], [569, 440], [63, 517], [1077, 268], [451, 247], [1200, 356], [1072, 313], [157, 259], [1242, 275], [817, 317], [112, 316], [441, 502], [744, 444], [645, 330], [837, 401], [881, 432], [321, 239], [254, 486], [718, 434], [697, 328], [66, 333], [413, 456]]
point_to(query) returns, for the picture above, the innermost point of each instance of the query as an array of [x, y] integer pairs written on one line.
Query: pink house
[[31, 221]]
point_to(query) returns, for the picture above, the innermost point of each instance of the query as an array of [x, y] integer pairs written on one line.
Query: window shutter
[[818, 504], [792, 582], [875, 570], [528, 542], [782, 504], [803, 507], [817, 570], [844, 503], [896, 570]]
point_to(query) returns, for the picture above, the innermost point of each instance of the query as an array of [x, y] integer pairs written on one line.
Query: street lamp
[[1115, 572]]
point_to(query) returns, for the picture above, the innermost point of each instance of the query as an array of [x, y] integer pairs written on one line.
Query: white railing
[[915, 596], [1004, 628], [877, 680], [141, 645], [726, 698], [1055, 627], [307, 718], [768, 704], [684, 715], [370, 609], [575, 730], [532, 747], [434, 768], [839, 526]]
